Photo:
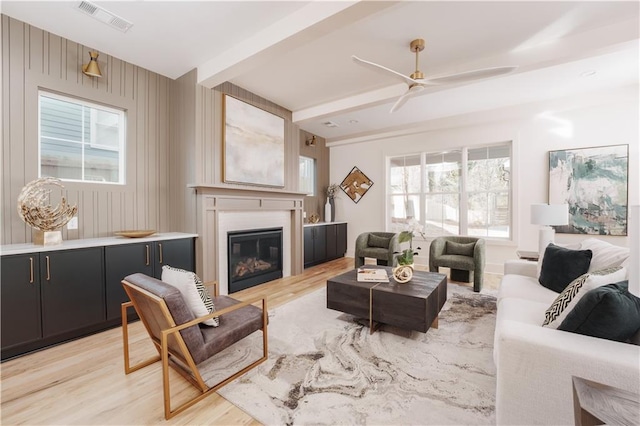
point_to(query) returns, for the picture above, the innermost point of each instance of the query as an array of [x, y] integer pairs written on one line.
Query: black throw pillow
[[608, 312], [560, 266]]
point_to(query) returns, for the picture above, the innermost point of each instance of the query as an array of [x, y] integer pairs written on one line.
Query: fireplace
[[253, 257]]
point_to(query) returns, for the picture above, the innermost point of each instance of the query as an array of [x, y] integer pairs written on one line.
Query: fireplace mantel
[[214, 202], [244, 190]]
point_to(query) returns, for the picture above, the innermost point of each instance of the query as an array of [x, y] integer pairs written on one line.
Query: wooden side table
[[597, 404]]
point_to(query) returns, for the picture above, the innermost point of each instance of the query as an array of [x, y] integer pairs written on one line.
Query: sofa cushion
[[571, 295], [460, 248], [193, 291], [609, 312], [528, 288], [605, 255], [517, 310], [455, 261], [376, 241], [560, 266]]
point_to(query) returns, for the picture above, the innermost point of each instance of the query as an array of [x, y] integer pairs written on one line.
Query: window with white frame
[[79, 140], [308, 175], [458, 192]]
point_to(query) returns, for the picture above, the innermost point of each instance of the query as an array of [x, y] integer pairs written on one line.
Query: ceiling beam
[[295, 30]]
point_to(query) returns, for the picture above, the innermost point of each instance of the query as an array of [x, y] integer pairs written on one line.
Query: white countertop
[[322, 223], [10, 249]]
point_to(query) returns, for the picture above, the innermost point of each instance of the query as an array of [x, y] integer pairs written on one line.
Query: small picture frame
[[356, 184]]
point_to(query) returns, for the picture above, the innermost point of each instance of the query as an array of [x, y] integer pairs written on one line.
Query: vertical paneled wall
[[33, 59], [209, 135]]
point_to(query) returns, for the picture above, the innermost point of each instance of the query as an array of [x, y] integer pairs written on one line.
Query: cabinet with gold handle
[[48, 268]]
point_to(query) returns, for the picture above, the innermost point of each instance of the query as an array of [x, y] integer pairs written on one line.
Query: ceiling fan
[[416, 81]]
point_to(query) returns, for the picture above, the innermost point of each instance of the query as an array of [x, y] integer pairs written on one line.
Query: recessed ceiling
[[298, 54]]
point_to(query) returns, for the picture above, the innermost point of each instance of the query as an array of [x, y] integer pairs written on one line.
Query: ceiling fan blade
[[414, 90], [471, 75], [377, 67]]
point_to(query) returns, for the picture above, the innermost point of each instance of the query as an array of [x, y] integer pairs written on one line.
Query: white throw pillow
[[605, 255], [570, 296], [195, 294]]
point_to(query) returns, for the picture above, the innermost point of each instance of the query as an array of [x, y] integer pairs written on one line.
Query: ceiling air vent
[[103, 15], [330, 124]]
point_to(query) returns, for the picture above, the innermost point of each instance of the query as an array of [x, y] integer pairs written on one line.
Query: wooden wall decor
[[356, 184]]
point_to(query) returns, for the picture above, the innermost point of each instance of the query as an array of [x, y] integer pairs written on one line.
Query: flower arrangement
[[405, 257], [332, 190]]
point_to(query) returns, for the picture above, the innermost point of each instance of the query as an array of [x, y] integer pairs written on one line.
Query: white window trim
[[507, 241], [122, 132]]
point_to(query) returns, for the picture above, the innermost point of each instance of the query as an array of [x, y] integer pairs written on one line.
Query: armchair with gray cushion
[[463, 255], [382, 246]]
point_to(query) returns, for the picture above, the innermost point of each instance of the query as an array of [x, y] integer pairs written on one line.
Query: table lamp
[[548, 215]]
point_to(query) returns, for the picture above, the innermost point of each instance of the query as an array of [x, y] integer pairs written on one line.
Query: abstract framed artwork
[[356, 184], [253, 145], [594, 182]]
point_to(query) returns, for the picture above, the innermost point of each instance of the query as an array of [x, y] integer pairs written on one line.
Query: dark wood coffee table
[[413, 306]]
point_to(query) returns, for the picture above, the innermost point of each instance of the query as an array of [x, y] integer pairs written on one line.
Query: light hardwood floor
[[83, 382]]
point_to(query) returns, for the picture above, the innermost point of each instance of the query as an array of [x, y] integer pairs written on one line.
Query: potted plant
[[330, 208], [404, 271]]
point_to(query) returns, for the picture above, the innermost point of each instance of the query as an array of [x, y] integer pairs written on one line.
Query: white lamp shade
[[550, 214]]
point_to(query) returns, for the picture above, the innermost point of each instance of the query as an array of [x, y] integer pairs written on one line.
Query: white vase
[[327, 211]]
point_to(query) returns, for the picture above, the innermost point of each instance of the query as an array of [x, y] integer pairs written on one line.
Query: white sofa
[[535, 364]]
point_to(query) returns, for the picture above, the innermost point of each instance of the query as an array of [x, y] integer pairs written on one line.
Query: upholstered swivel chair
[[180, 340], [464, 255], [378, 245]]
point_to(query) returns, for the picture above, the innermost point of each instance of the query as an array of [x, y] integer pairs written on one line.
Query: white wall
[[595, 119]]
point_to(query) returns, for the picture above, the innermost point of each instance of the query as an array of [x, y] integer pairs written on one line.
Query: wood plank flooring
[[83, 382]]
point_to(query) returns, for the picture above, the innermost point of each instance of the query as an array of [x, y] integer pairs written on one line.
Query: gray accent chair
[[382, 246], [181, 342], [463, 255]]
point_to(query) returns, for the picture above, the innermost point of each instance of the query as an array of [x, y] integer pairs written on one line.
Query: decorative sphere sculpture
[[34, 206]]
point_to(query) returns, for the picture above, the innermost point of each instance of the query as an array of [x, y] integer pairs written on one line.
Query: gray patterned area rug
[[325, 368]]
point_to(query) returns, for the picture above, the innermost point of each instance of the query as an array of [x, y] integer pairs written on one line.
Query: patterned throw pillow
[[195, 294], [572, 294]]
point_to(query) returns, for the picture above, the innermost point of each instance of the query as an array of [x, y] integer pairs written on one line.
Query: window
[[308, 175], [80, 141], [459, 192]]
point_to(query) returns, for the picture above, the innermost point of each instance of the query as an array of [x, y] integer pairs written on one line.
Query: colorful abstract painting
[[593, 181], [253, 145]]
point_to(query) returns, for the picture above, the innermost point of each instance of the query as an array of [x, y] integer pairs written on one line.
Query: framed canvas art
[[356, 184], [594, 182], [253, 145]]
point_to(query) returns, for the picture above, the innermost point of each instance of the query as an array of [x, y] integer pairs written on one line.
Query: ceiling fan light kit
[[417, 81]]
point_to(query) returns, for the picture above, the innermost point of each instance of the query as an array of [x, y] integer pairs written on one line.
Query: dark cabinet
[[324, 242], [315, 245], [20, 300], [147, 258], [48, 297], [72, 290], [175, 253], [123, 260]]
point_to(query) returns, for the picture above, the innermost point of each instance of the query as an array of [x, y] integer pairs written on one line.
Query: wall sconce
[[311, 142], [91, 69]]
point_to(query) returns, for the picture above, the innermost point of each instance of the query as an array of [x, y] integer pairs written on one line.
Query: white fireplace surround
[[246, 221], [221, 209]]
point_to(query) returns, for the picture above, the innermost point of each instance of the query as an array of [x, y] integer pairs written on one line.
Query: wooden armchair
[[179, 339]]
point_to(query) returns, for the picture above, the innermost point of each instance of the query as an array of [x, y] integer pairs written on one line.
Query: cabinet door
[[175, 253], [332, 248], [120, 261], [20, 297], [308, 245], [320, 244], [341, 239], [72, 283]]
